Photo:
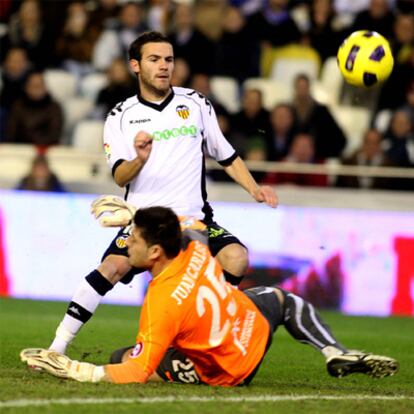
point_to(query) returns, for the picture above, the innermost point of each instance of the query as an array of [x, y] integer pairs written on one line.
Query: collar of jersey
[[157, 107], [175, 267]]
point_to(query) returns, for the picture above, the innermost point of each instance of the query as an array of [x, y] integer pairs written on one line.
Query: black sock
[[234, 280], [304, 323]]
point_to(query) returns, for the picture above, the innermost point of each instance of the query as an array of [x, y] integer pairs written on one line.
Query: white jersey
[[183, 126]]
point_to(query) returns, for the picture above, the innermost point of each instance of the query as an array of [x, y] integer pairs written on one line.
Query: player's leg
[[92, 289], [229, 251], [234, 261], [174, 367], [87, 298], [304, 323]]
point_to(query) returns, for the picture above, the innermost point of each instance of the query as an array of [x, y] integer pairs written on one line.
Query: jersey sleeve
[[158, 328], [115, 145], [216, 144]]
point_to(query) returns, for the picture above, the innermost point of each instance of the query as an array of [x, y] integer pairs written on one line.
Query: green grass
[[288, 369]]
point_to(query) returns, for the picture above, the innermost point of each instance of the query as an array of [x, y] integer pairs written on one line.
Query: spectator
[[157, 15], [409, 103], [27, 31], [247, 7], [251, 121], [200, 82], [131, 24], [13, 76], [316, 119], [208, 16], [394, 90], [121, 85], [7, 8], [280, 136], [302, 151], [378, 17], [392, 94], [256, 151], [273, 25], [105, 15], [402, 42], [350, 7], [325, 33], [399, 140], [114, 43], [370, 153], [237, 53], [35, 118], [189, 43], [405, 6], [75, 44], [41, 177], [181, 74], [399, 147]]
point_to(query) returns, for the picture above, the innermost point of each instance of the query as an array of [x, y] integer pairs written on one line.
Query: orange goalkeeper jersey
[[190, 307]]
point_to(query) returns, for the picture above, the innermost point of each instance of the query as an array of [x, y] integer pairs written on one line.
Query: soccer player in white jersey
[[155, 143]]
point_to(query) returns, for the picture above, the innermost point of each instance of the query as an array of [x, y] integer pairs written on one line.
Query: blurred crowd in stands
[[213, 38]]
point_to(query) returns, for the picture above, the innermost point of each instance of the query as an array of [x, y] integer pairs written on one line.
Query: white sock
[[330, 351], [84, 303]]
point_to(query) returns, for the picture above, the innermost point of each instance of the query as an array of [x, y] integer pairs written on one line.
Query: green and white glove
[[112, 211], [61, 366]]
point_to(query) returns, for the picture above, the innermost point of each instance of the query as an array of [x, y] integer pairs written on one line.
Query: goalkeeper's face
[[140, 254]]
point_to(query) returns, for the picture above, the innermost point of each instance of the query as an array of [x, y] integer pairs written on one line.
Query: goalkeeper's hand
[[112, 211], [61, 366]]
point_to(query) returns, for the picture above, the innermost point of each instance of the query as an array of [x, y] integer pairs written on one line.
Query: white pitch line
[[168, 399]]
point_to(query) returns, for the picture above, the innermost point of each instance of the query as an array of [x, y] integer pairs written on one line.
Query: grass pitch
[[292, 379]]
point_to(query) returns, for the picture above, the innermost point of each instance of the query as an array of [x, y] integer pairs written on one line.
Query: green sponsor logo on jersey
[[175, 133], [215, 232]]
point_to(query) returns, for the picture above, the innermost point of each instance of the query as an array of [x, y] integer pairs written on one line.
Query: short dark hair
[[135, 48], [302, 77], [160, 225]]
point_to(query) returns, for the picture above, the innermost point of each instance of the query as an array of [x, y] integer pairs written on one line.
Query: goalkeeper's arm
[[112, 211], [63, 367]]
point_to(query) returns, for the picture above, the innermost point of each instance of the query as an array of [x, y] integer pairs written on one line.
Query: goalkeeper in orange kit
[[197, 328]]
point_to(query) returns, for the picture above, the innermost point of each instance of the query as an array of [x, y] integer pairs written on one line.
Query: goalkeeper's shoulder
[[191, 223], [193, 229]]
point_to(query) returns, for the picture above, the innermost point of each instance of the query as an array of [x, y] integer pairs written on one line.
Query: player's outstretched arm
[[238, 171]]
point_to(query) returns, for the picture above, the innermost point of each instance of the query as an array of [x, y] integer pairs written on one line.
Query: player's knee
[[234, 259], [114, 268]]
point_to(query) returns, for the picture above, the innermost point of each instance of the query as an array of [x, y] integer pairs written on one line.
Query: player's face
[[156, 68], [138, 250]]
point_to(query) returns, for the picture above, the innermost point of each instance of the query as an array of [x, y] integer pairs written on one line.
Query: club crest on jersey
[[121, 242], [107, 151], [138, 348], [183, 111]]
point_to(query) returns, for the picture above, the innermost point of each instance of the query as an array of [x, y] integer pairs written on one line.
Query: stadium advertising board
[[357, 261]]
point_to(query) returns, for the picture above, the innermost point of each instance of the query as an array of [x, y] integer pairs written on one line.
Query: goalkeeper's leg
[[87, 298], [304, 323]]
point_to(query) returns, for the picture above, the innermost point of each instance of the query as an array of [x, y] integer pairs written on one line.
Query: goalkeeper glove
[[112, 211], [61, 366]]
